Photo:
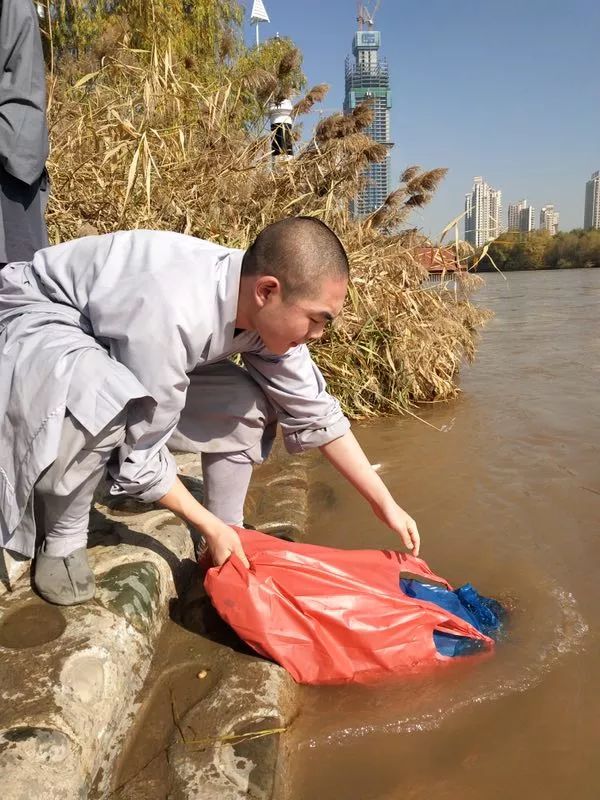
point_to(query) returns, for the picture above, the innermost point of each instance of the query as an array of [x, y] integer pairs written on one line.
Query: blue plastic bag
[[483, 613]]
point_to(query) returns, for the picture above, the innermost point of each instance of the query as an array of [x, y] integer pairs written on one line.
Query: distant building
[[592, 202], [549, 219], [483, 207], [527, 219], [520, 217], [440, 259], [443, 264], [367, 78], [514, 215]]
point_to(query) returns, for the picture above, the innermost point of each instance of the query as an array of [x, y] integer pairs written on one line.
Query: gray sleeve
[[23, 129], [309, 416], [145, 337]]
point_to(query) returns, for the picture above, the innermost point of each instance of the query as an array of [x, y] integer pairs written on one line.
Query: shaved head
[[301, 252]]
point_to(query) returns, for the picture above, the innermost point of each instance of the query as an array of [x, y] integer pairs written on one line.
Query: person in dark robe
[[23, 133]]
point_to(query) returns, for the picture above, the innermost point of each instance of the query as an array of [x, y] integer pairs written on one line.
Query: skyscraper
[[549, 219], [592, 202], [367, 78], [520, 217], [526, 219], [483, 207], [514, 215]]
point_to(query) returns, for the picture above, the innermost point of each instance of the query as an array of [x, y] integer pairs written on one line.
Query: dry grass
[[138, 144]]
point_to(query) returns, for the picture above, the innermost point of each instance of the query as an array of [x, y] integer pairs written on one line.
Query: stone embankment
[[74, 681]]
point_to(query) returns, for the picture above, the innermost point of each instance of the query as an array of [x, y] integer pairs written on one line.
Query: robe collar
[[224, 341]]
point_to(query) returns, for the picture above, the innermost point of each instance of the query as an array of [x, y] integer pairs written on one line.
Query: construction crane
[[366, 16]]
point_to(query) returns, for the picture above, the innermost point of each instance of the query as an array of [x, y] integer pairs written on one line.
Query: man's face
[[283, 324]]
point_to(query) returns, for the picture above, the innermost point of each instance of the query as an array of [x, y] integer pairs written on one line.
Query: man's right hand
[[223, 542]]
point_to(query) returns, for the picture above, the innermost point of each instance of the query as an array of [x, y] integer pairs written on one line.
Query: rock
[[72, 679], [31, 624], [13, 566], [83, 676], [43, 757], [252, 696], [132, 591]]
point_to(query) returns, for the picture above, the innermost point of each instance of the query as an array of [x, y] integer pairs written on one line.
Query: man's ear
[[265, 288]]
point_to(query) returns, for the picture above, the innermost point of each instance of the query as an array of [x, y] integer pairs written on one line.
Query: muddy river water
[[506, 491]]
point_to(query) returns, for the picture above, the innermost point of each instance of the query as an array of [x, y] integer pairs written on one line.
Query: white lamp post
[[258, 15]]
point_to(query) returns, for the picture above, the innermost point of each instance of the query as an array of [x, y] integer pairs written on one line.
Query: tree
[[539, 250], [202, 33], [577, 248]]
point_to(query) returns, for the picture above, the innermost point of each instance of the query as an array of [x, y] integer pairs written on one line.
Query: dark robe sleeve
[[23, 129]]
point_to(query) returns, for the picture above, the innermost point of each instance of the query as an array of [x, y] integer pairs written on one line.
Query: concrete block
[[70, 678], [254, 696]]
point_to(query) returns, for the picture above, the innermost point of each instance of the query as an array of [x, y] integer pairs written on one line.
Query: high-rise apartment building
[[591, 217], [483, 209], [549, 218], [514, 215], [367, 78], [527, 219], [520, 217]]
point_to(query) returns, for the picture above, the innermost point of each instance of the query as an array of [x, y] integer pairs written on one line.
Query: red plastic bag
[[331, 616]]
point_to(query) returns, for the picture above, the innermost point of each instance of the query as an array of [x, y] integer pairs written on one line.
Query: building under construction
[[367, 77]]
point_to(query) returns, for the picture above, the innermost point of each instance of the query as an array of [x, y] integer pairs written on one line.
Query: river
[[505, 488]]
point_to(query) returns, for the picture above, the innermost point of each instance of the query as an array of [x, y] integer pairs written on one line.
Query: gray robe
[[23, 133], [161, 305]]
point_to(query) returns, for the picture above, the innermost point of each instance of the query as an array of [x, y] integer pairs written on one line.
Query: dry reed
[[138, 143]]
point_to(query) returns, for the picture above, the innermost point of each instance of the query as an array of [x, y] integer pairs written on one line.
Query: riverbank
[[515, 251], [77, 682]]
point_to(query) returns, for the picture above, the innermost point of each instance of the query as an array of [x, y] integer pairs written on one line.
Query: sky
[[508, 90]]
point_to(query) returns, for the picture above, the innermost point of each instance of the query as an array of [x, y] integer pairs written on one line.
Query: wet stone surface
[[277, 500], [252, 697], [40, 744], [30, 625], [321, 497], [258, 757], [205, 683]]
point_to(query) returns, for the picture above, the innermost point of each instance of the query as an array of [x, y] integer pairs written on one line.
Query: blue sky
[[508, 90]]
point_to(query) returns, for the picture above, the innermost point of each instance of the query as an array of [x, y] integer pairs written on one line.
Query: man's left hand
[[399, 521]]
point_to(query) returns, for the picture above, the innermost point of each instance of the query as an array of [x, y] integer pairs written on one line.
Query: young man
[[23, 133], [113, 346]]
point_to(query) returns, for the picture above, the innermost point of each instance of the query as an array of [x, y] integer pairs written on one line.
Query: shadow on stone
[[127, 589], [105, 532], [196, 614]]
